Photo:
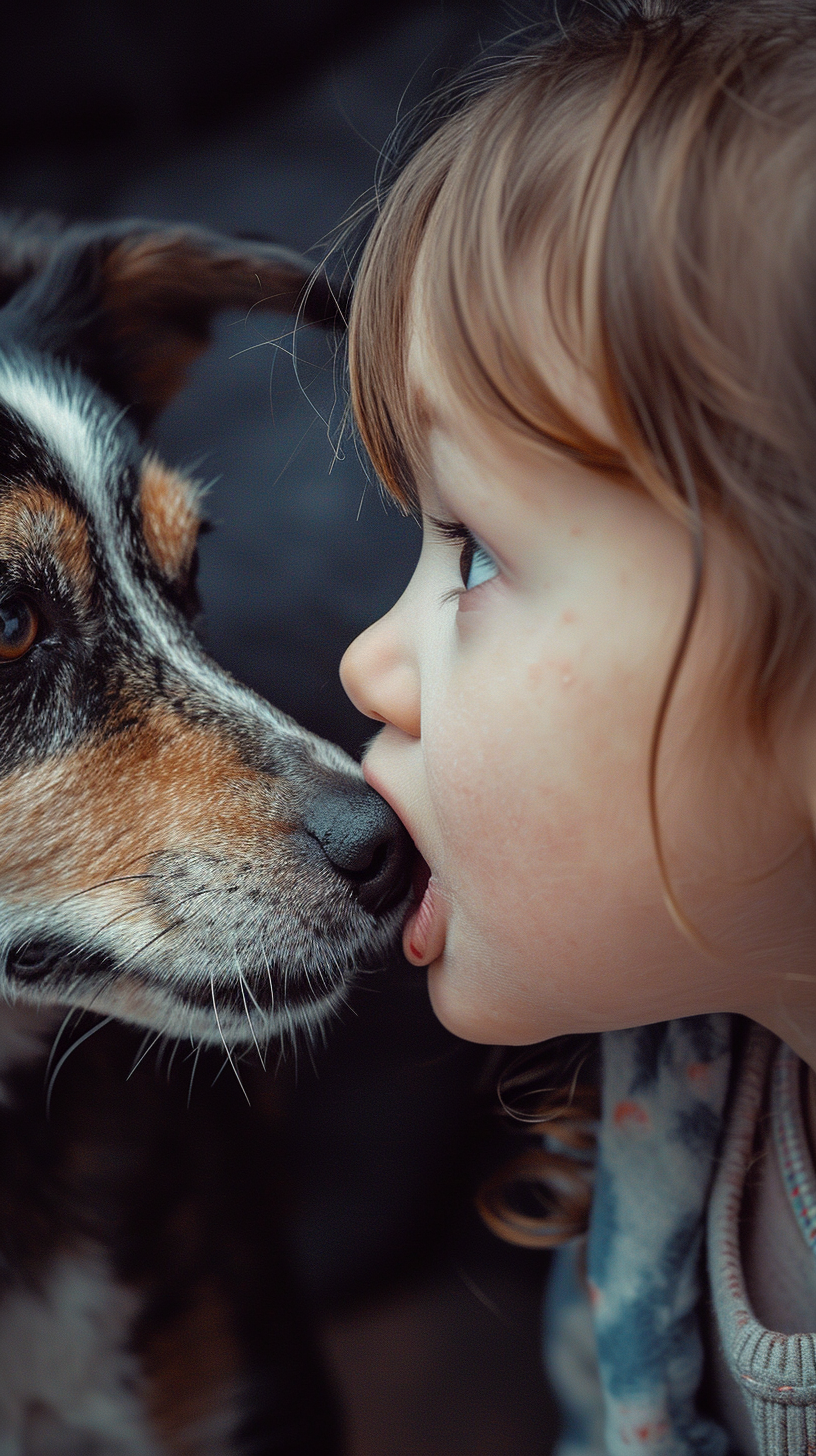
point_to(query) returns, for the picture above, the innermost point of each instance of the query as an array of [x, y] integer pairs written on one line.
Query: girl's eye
[[18, 628], [476, 564]]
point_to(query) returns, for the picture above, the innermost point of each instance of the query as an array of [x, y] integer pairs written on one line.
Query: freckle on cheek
[[568, 618]]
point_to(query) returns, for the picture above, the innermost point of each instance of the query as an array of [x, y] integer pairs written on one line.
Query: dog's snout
[[363, 840]]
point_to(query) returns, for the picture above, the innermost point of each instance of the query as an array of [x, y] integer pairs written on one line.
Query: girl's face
[[518, 679]]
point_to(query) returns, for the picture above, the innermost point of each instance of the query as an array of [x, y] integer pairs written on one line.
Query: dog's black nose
[[362, 839]]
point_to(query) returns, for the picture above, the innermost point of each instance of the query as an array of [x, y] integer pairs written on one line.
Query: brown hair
[[646, 179], [541, 1196]]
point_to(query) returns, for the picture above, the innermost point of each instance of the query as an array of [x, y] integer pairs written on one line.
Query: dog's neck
[[26, 1033]]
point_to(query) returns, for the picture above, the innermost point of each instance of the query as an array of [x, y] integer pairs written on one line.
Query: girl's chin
[[459, 1011], [462, 1003]]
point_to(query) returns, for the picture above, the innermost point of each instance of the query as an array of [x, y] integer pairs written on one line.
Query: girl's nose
[[381, 678]]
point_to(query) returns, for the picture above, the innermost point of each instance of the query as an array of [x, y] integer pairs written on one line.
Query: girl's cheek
[[499, 779]]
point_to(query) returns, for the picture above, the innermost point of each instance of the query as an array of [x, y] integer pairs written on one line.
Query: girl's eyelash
[[451, 530], [457, 531]]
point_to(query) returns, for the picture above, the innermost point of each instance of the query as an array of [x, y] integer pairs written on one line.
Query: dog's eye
[[18, 628]]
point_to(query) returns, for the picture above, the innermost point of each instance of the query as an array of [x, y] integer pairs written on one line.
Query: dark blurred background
[[269, 118]]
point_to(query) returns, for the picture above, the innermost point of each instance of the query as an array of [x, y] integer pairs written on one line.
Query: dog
[[177, 856]]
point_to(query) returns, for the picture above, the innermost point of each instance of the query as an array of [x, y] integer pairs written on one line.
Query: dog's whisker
[[145, 1039], [269, 976], [167, 930], [140, 1055], [172, 1058], [66, 1054], [67, 1018], [103, 885], [247, 1016], [224, 1040], [245, 984], [192, 1074], [244, 988], [83, 947], [221, 1069], [19, 956], [163, 1045], [295, 1044], [134, 910]]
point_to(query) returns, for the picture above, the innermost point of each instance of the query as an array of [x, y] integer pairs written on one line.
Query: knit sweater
[[775, 1371]]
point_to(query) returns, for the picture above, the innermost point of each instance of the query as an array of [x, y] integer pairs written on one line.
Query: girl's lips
[[423, 935]]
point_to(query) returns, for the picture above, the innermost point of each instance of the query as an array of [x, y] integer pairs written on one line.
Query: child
[[583, 345]]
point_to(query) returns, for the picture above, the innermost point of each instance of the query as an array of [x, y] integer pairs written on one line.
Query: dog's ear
[[26, 245], [132, 304]]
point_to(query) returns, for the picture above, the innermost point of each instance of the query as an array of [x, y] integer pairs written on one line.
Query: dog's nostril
[[375, 864], [363, 840]]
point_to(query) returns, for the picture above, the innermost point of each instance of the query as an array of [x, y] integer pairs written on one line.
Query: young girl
[[583, 346]]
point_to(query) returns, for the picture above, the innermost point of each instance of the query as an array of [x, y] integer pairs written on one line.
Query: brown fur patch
[[35, 524], [143, 283], [161, 290], [192, 1367], [104, 809], [170, 517]]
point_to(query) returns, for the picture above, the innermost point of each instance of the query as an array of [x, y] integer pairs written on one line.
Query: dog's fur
[[155, 816], [174, 853]]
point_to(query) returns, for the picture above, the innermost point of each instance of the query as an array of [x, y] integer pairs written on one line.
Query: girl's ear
[[131, 304]]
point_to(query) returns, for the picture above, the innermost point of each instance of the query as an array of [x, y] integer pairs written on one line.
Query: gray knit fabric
[[776, 1372]]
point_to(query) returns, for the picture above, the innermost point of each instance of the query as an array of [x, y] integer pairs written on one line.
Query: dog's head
[[173, 850]]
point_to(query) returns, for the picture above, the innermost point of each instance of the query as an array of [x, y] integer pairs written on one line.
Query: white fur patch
[[71, 427], [68, 1384]]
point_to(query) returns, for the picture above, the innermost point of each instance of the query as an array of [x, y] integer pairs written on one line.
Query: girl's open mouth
[[423, 935]]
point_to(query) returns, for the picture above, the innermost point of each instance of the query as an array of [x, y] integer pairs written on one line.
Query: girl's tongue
[[423, 935]]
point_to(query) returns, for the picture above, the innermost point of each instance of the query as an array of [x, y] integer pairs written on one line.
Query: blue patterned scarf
[[626, 1361]]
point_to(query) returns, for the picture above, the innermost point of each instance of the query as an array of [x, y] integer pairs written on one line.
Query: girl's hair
[[541, 1196], [644, 183]]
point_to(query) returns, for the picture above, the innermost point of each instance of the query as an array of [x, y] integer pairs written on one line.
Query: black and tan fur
[[174, 853]]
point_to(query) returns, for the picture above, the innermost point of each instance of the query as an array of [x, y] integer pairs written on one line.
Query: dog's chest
[[144, 1309], [68, 1383]]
